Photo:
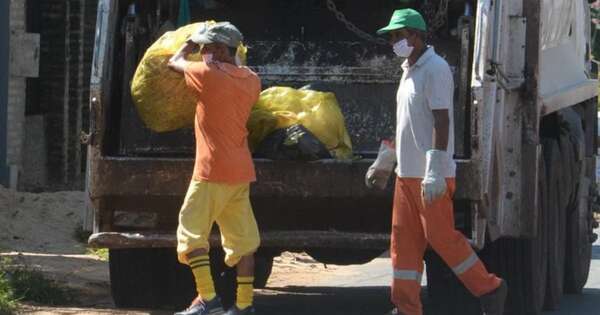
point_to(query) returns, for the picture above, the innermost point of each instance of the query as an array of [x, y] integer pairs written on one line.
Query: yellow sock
[[204, 283], [245, 294]]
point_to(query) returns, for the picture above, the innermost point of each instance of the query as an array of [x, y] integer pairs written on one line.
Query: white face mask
[[208, 58], [401, 49]]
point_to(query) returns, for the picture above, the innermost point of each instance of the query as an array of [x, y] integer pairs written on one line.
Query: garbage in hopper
[[292, 143], [319, 112], [161, 96]]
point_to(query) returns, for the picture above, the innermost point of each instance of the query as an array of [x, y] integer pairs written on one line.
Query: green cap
[[405, 18]]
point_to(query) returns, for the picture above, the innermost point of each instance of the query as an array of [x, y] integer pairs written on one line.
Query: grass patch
[[27, 284], [8, 302], [101, 253], [82, 237]]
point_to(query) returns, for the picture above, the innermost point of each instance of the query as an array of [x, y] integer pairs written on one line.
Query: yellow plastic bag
[[163, 100], [319, 112]]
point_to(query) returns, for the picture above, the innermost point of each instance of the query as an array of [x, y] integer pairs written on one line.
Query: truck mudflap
[[289, 239]]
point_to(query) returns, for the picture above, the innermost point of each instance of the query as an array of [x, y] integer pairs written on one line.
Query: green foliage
[[27, 284]]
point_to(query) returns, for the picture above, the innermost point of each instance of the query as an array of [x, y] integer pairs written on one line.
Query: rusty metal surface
[[531, 122], [291, 240], [115, 176], [468, 181], [288, 195]]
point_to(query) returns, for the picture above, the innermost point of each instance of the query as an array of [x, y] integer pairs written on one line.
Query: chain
[[351, 27], [435, 18]]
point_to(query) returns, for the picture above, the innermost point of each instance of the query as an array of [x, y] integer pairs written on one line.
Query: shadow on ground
[[324, 300], [587, 303], [333, 301]]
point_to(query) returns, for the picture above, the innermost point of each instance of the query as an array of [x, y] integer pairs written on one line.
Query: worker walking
[[424, 145], [219, 189]]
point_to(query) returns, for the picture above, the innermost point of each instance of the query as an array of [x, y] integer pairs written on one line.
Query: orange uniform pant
[[413, 227]]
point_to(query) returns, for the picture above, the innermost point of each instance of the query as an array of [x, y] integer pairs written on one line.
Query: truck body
[[525, 118]]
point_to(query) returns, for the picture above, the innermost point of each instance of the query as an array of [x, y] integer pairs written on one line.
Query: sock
[[204, 283], [245, 292]]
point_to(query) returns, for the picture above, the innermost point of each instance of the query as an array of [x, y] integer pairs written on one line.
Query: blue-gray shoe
[[212, 307], [234, 310]]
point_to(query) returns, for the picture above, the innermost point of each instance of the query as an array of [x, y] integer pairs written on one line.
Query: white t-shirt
[[425, 86]]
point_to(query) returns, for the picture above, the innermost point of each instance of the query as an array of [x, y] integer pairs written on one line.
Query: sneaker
[[234, 310], [493, 302], [212, 307]]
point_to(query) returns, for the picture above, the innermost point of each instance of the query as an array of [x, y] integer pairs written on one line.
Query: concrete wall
[[16, 97]]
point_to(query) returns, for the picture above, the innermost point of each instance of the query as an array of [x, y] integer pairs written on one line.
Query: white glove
[[434, 182], [379, 172]]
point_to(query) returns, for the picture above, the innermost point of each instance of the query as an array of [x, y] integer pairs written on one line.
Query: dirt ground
[[40, 230], [40, 233]]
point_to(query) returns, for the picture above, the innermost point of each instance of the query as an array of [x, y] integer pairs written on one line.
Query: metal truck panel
[[564, 62], [292, 239]]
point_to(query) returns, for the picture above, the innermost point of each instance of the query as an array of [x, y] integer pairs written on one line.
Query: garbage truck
[[525, 122]]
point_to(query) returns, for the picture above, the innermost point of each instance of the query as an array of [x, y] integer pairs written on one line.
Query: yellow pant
[[229, 206]]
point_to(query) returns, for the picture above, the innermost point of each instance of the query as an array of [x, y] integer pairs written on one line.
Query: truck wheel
[[263, 265], [523, 263], [153, 278], [557, 224], [448, 295], [147, 278], [579, 249]]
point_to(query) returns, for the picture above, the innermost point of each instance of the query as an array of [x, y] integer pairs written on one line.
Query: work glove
[[379, 172], [433, 185]]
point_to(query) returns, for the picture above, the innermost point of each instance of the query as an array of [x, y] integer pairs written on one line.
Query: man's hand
[[377, 177], [434, 183], [178, 63], [379, 173]]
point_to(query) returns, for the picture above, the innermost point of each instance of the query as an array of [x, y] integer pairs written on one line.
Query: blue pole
[[4, 51]]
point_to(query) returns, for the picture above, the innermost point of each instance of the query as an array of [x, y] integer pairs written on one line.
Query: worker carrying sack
[[161, 96], [318, 112]]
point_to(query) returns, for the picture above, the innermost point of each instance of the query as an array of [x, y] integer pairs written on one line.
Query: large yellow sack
[[319, 112], [161, 97]]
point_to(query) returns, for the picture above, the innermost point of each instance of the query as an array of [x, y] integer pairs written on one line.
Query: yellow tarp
[[319, 112], [161, 97]]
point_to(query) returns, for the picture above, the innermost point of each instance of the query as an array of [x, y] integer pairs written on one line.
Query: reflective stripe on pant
[[413, 227]]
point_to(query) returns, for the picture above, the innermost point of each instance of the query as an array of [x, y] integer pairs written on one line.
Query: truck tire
[[523, 263], [153, 278], [578, 211], [146, 278], [579, 249], [263, 265], [448, 295], [557, 223], [579, 225]]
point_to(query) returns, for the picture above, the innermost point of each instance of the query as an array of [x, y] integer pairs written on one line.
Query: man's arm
[[441, 126], [178, 63]]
